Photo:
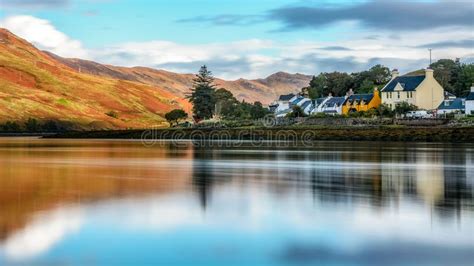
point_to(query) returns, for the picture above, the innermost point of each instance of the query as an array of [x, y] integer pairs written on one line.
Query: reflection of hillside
[[42, 176]]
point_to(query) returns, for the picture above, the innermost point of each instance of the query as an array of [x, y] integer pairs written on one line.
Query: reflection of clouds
[[42, 233]]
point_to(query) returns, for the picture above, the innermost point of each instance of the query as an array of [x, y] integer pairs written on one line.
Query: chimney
[[429, 73], [472, 87], [395, 73], [350, 92], [330, 95], [376, 91]]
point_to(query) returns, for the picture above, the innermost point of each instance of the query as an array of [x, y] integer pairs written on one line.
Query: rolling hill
[[80, 93]]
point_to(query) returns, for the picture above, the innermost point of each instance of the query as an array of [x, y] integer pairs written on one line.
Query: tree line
[[31, 125]]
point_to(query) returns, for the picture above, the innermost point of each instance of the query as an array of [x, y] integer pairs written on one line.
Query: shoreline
[[307, 134]]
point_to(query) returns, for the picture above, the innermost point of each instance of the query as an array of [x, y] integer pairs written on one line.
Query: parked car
[[419, 114]]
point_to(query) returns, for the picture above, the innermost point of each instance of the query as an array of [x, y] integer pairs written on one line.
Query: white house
[[456, 105], [331, 105], [469, 105], [283, 102]]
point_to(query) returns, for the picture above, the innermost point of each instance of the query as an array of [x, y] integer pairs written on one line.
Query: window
[[398, 95], [411, 94]]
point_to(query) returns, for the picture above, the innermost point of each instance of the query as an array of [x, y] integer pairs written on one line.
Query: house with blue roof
[[456, 105], [283, 103], [420, 90], [331, 105]]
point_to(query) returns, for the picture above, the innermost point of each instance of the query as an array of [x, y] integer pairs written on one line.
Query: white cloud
[[256, 58], [44, 35]]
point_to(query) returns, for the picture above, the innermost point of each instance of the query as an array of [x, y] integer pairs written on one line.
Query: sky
[[248, 39]]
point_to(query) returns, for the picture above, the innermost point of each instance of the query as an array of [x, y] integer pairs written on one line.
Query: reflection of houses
[[422, 90], [361, 102]]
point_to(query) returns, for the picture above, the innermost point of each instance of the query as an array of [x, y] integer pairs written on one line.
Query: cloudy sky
[[248, 38]]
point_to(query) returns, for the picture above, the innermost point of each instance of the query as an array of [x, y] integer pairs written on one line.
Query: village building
[[283, 102], [361, 102], [422, 91], [331, 105], [456, 105], [469, 104]]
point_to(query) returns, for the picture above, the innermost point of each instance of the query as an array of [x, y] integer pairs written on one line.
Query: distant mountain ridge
[[264, 90], [41, 85]]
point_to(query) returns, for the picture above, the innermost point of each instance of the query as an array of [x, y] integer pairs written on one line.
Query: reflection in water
[[117, 202]]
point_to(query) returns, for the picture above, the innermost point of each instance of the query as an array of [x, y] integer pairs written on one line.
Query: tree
[[225, 103], [464, 81], [445, 72], [11, 127], [336, 83], [455, 77], [297, 111], [202, 94], [365, 81], [50, 126], [257, 111], [402, 108], [31, 125], [175, 116], [384, 110]]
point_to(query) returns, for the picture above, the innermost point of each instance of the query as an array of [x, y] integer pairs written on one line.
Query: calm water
[[76, 202]]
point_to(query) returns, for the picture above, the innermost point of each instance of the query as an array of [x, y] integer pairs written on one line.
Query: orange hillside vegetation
[[35, 85]]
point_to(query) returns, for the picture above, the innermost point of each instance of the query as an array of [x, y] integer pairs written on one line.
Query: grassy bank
[[306, 133]]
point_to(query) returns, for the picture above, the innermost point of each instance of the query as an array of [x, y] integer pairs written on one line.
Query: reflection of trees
[[202, 174], [458, 184]]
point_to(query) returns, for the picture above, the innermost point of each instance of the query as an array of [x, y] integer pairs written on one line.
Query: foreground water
[[76, 202]]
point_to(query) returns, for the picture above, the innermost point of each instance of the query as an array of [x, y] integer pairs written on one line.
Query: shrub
[[11, 127], [112, 114], [31, 125]]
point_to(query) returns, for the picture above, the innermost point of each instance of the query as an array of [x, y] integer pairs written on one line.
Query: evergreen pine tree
[[203, 94]]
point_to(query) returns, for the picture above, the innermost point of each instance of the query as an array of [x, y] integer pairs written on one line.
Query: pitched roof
[[297, 100], [448, 94], [318, 101], [306, 104], [408, 83], [335, 100], [359, 97], [286, 97], [452, 104], [470, 97]]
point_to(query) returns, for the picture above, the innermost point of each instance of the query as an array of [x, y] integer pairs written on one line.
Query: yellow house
[[421, 90], [361, 102]]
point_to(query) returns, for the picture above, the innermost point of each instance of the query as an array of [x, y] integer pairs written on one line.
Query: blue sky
[[246, 38]]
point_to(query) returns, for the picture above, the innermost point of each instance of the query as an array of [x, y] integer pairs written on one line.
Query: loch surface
[[114, 202]]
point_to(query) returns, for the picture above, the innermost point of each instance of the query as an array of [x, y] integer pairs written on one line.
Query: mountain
[[264, 90], [88, 95]]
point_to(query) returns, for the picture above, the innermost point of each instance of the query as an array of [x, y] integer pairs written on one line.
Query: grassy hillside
[[35, 85]]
